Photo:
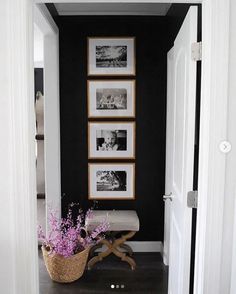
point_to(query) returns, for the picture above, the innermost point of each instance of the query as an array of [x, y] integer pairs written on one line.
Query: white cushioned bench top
[[119, 220]]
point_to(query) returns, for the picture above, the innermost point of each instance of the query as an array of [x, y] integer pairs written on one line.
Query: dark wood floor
[[149, 277]]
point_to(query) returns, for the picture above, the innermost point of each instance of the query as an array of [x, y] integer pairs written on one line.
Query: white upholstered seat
[[119, 220]]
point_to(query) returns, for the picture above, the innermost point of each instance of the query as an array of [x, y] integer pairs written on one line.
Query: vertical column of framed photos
[[113, 100]]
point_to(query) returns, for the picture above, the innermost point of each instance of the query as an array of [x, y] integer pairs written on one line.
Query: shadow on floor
[[149, 277]]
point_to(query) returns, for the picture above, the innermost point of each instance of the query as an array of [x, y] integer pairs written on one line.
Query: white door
[[180, 154]]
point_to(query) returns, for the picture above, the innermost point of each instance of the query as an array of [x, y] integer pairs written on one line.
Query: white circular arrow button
[[225, 146]]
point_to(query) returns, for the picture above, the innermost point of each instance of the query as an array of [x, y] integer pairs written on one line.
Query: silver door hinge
[[192, 199], [196, 51]]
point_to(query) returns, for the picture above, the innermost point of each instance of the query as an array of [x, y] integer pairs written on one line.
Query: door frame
[[52, 157], [17, 27], [168, 172]]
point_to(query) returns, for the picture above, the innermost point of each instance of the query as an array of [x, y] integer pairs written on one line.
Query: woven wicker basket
[[65, 269]]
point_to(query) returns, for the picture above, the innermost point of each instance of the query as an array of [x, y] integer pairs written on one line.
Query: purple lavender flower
[[68, 237]]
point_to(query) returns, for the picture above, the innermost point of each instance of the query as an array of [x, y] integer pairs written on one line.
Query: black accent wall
[[151, 47]]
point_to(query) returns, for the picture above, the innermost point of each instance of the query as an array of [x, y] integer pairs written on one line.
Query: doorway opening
[[70, 65], [39, 114]]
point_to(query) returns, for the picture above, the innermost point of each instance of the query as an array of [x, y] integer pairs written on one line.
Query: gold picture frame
[[111, 140], [111, 56], [111, 98], [111, 181]]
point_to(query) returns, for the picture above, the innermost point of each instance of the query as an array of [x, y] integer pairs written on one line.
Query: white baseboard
[[141, 246]]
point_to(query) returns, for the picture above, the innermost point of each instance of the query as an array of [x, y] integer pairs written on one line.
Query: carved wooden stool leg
[[127, 248], [100, 255], [117, 243], [113, 247], [94, 248]]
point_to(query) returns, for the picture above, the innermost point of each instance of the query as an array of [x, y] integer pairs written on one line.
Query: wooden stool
[[119, 221]]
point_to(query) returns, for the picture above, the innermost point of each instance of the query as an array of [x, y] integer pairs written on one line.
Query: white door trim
[[213, 130], [46, 24], [17, 28], [44, 20], [19, 261], [169, 142], [233, 266]]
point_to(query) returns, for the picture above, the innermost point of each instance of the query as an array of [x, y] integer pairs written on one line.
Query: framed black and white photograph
[[111, 140], [111, 98], [111, 181], [111, 56]]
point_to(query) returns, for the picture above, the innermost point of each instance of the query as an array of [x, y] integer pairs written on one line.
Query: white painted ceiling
[[112, 8]]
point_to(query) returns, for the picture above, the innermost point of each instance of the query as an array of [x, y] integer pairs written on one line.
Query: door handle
[[168, 197]]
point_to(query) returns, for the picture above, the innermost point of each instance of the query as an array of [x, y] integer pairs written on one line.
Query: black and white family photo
[[111, 99], [111, 140], [111, 180], [111, 56]]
